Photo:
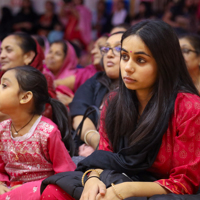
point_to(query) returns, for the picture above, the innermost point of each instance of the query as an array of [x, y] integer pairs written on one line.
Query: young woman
[[32, 146], [94, 90], [190, 46], [150, 126], [21, 49]]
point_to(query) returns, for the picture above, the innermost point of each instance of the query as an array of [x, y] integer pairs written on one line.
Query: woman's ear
[[26, 97], [28, 57]]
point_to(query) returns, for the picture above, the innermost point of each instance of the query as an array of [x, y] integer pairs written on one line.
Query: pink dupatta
[[69, 65]]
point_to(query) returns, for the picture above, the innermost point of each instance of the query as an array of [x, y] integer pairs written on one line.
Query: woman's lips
[[110, 64], [3, 63], [129, 80]]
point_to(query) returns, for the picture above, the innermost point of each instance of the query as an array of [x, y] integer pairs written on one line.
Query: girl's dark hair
[[121, 118], [26, 42], [31, 79], [193, 39], [63, 43]]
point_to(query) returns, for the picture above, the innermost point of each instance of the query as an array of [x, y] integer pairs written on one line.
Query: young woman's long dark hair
[[121, 120], [31, 79]]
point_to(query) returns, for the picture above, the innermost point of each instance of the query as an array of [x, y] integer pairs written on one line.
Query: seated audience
[[32, 146], [183, 16], [5, 22], [48, 20], [26, 19], [149, 129], [81, 75], [21, 49]]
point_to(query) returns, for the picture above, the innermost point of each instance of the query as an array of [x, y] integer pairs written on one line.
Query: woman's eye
[[58, 54], [185, 51], [141, 60], [4, 85], [125, 57], [8, 50]]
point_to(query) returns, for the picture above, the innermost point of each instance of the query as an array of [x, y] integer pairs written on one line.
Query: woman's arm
[[92, 136], [69, 82], [132, 189]]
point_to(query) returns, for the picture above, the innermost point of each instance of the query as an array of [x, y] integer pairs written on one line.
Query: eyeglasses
[[115, 50], [187, 51]]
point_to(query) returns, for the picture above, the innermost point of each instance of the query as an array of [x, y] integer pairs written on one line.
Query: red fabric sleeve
[[183, 147]]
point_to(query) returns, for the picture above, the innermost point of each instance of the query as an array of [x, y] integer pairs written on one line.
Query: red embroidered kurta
[[177, 165]]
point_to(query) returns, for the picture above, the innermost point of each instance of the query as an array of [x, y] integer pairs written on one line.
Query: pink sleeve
[[58, 153], [184, 176]]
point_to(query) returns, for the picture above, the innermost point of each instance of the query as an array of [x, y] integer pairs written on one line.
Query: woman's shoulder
[[92, 82], [187, 105], [97, 75], [184, 98]]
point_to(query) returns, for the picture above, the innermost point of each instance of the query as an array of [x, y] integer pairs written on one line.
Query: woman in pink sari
[[61, 62]]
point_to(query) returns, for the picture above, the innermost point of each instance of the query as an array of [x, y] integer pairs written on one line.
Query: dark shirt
[[92, 92]]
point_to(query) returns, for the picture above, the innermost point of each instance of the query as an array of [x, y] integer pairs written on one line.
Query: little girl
[[32, 147]]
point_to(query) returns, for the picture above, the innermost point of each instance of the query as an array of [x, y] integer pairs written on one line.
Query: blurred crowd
[[76, 23]]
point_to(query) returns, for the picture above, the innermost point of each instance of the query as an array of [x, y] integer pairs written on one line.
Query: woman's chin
[[5, 67]]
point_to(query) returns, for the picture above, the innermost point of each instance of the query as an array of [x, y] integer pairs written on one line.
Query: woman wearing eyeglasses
[[190, 46], [93, 91]]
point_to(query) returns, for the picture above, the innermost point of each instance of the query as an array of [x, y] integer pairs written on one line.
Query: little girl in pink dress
[[32, 147]]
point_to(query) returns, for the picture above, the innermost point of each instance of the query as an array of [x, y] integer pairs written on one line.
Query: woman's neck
[[143, 99], [114, 84]]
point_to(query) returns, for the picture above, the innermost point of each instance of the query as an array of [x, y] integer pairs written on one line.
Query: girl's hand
[[92, 188], [3, 189]]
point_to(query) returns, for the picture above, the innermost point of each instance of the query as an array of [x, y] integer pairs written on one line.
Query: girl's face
[[96, 53], [55, 57], [192, 60], [138, 66], [9, 93], [111, 58], [11, 54]]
